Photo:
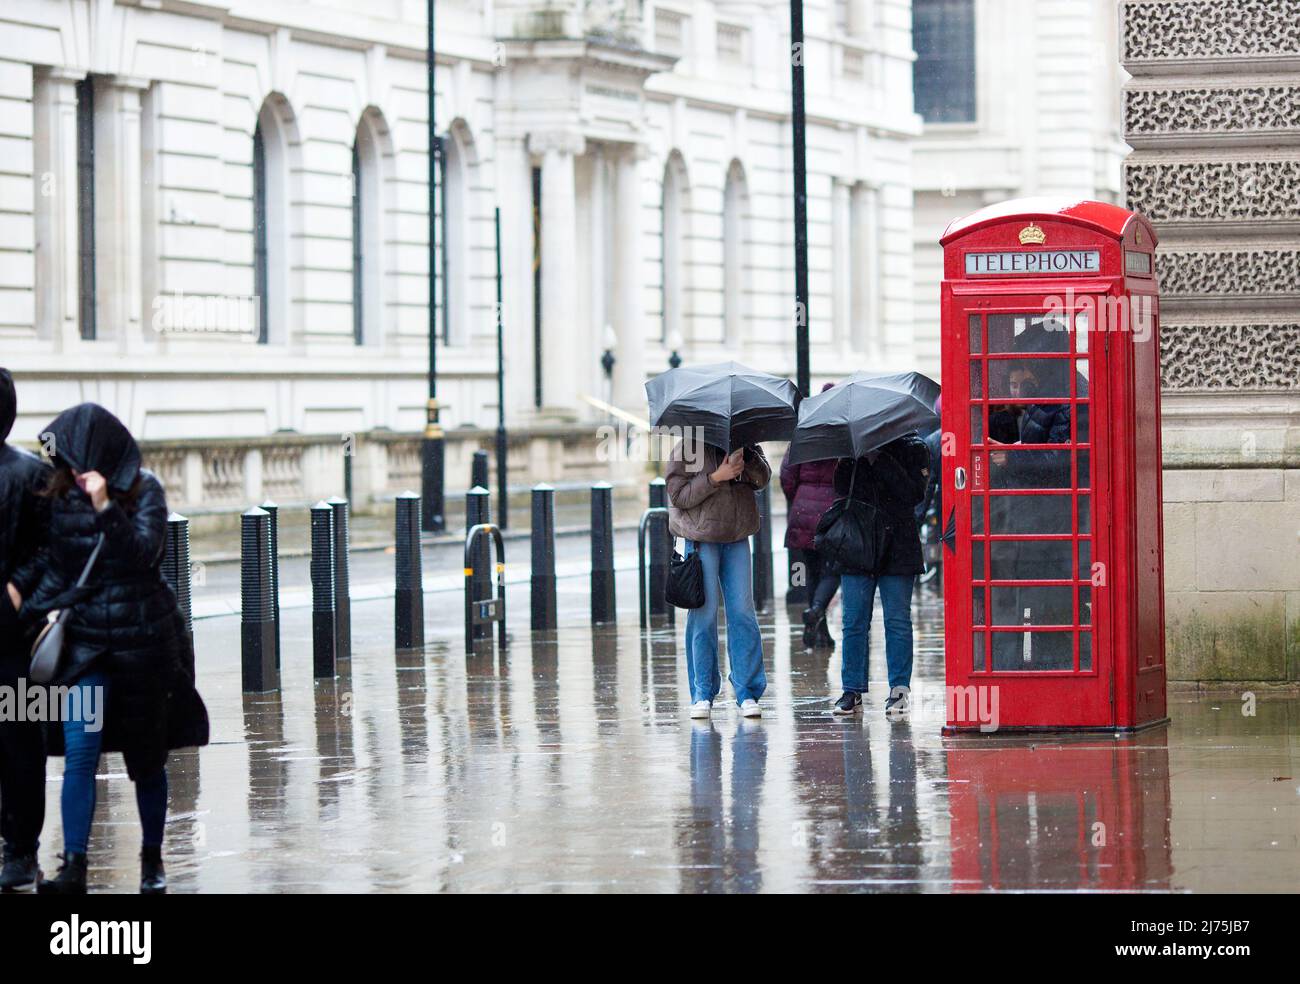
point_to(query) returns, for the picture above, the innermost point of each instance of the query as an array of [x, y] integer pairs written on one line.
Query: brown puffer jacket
[[707, 513]]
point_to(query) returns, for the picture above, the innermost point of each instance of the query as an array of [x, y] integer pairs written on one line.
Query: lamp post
[[802, 372], [432, 518], [675, 345], [503, 497]]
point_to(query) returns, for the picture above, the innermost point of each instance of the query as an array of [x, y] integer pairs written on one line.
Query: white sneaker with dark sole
[[899, 703], [750, 709], [701, 709]]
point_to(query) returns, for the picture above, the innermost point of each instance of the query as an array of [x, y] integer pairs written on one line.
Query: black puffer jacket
[[125, 622], [895, 482]]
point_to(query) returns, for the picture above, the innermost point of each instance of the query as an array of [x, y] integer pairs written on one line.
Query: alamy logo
[[94, 938]]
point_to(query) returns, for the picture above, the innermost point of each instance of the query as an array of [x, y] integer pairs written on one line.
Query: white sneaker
[[750, 709], [701, 709], [899, 703]]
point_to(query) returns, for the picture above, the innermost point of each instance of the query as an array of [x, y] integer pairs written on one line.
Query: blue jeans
[[727, 580], [81, 751], [858, 592]]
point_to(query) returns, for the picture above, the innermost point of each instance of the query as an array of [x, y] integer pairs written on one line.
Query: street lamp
[[675, 344], [432, 516], [797, 51]]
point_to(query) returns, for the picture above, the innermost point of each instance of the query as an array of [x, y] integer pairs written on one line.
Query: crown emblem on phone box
[[1032, 235]]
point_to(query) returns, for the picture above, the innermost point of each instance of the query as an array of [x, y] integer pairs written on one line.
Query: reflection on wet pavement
[[570, 765]]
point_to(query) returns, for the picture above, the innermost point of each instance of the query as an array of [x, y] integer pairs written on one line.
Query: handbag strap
[[90, 561]]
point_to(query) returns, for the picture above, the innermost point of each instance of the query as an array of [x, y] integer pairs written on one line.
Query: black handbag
[[853, 535], [685, 588]]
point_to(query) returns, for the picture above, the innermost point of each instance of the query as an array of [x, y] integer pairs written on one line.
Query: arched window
[[370, 165], [735, 215], [274, 140], [673, 249]]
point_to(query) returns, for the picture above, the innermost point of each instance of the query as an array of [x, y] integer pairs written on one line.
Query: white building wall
[[188, 85], [1047, 123]]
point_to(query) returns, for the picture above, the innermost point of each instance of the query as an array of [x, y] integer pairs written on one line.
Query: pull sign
[[959, 478], [979, 473]]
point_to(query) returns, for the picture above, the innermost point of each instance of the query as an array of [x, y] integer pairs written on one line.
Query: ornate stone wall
[[1212, 113]]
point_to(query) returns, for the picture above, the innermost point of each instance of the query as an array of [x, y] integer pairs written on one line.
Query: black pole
[[660, 548], [324, 630], [408, 597], [762, 572], [543, 536], [257, 627], [342, 579], [273, 539], [431, 447], [503, 502], [602, 553], [802, 371], [478, 510]]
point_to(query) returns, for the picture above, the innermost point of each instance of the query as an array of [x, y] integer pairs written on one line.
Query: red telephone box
[[1053, 584]]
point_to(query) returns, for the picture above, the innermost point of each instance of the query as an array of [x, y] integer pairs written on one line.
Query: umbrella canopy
[[732, 404], [864, 412]]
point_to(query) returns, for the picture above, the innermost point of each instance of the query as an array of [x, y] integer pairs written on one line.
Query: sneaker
[[899, 702], [20, 871], [701, 709], [849, 703], [750, 709]]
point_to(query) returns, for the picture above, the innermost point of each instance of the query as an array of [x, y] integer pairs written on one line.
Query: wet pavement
[[568, 764]]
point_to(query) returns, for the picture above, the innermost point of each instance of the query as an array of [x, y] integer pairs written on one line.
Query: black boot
[[812, 618], [20, 871], [153, 879], [823, 639], [71, 879]]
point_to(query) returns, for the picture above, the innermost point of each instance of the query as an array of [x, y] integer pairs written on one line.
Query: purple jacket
[[809, 491]]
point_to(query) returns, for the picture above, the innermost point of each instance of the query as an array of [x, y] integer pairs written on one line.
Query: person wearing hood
[[809, 491], [127, 656], [22, 743]]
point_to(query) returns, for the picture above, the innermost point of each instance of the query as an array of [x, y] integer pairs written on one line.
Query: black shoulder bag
[[853, 534], [685, 588]]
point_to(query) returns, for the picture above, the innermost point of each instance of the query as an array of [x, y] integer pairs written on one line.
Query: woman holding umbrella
[[870, 421], [711, 503]]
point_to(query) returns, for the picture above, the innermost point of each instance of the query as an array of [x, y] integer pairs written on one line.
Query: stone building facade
[[214, 219], [1212, 112]]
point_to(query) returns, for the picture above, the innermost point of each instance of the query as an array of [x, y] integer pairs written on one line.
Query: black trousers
[[22, 785], [22, 751], [822, 584]]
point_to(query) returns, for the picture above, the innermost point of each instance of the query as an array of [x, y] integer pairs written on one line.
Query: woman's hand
[[731, 467], [15, 598], [95, 486]]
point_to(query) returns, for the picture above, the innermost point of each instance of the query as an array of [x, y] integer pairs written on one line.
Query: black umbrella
[[731, 404], [862, 413]]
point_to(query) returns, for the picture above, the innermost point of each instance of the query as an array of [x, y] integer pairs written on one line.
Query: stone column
[[1210, 115], [868, 319], [559, 270], [629, 324], [845, 264], [54, 128], [117, 211], [515, 191]]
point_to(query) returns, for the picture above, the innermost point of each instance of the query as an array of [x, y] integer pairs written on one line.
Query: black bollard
[[176, 567], [408, 602], [478, 509], [763, 550], [543, 534], [324, 628], [274, 512], [342, 580], [478, 471], [661, 549], [257, 622], [602, 553]]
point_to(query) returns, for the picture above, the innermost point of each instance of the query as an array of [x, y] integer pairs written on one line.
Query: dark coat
[[125, 622], [23, 522], [809, 489], [895, 482]]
